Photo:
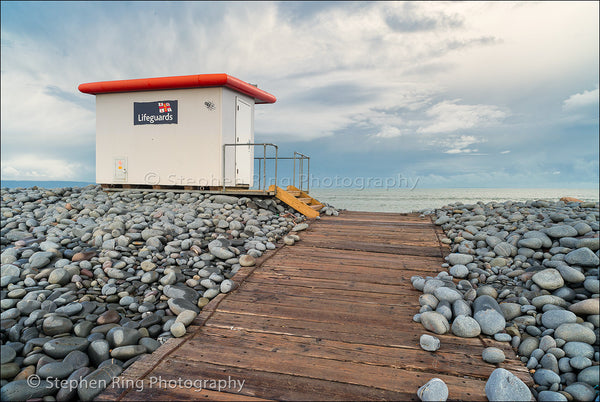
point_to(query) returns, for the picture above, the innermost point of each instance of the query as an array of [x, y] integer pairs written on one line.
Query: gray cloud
[[69, 96], [411, 19]]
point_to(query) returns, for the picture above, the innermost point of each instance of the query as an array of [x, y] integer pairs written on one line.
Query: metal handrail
[[301, 176], [264, 158]]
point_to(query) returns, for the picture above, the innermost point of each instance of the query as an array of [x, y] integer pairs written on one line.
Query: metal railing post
[[259, 170], [224, 148], [265, 163], [276, 156], [294, 174], [308, 183]]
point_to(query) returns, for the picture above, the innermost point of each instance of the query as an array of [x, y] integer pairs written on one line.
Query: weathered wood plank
[[358, 258], [275, 277], [326, 294], [332, 370], [275, 386], [447, 360], [358, 245], [345, 273]]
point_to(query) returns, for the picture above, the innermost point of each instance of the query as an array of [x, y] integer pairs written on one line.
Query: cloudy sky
[[469, 94]]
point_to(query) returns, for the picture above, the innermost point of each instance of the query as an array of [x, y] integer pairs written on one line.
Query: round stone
[[580, 362], [459, 271], [546, 377], [589, 375], [555, 318], [149, 277], [573, 349], [465, 327], [528, 345], [60, 347], [59, 276], [493, 355], [94, 383], [150, 344], [581, 391], [583, 257], [178, 329], [99, 351], [490, 321], [585, 307], [592, 285], [122, 336], [502, 385], [570, 274], [447, 294], [21, 390], [575, 333], [147, 266], [182, 292], [55, 325], [457, 258], [510, 310], [429, 343], [549, 279], [247, 260], [108, 317], [434, 390], [533, 243], [435, 322], [226, 286], [177, 306], [7, 354], [504, 249], [551, 396], [186, 317], [558, 231], [127, 352]]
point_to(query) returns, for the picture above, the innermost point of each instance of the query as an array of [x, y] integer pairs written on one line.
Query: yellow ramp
[[299, 200]]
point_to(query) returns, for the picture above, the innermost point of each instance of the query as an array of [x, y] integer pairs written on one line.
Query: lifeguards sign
[[159, 112]]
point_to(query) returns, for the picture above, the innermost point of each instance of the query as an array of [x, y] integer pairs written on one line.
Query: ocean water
[[396, 199], [406, 200]]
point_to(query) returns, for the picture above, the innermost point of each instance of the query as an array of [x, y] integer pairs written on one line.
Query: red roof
[[178, 82]]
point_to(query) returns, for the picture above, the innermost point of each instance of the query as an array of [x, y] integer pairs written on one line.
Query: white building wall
[[186, 153]]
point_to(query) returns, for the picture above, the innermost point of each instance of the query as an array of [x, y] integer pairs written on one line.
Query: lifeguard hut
[[192, 132]]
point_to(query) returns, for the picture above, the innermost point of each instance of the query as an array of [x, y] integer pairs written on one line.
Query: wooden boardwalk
[[329, 318]]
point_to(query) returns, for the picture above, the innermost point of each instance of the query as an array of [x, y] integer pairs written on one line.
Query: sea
[[395, 199]]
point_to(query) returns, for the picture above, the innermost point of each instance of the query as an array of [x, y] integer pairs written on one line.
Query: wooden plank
[[361, 258], [395, 334], [320, 271], [275, 386], [331, 370], [375, 248], [325, 294], [274, 277], [447, 360], [351, 305]]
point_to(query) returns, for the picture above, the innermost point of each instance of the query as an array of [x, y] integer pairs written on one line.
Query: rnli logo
[[164, 107], [159, 112]]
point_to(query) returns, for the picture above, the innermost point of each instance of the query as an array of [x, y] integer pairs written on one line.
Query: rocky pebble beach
[[525, 273], [92, 281]]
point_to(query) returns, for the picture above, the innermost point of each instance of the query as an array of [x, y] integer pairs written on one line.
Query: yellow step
[[293, 202], [305, 200], [316, 207]]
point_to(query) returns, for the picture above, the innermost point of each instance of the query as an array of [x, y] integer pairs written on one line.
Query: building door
[[244, 156]]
